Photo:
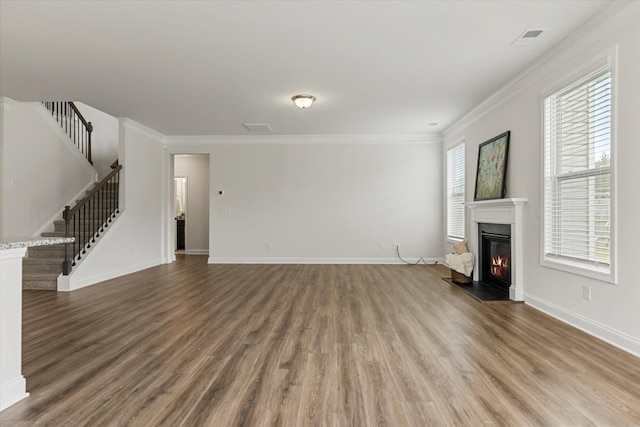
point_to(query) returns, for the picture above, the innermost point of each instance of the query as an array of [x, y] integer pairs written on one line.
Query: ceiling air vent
[[258, 127], [527, 37]]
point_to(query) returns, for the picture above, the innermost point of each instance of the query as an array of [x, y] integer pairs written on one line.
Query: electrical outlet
[[381, 246], [586, 292], [396, 246], [268, 246]]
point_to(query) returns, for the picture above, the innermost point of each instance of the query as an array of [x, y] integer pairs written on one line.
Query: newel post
[[89, 130]]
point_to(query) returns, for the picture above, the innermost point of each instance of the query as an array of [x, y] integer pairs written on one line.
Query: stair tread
[[43, 260], [84, 220], [40, 287], [45, 247], [40, 276]]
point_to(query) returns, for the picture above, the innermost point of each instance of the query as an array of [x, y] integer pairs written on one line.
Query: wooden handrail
[[81, 117], [91, 216], [94, 190], [67, 114]]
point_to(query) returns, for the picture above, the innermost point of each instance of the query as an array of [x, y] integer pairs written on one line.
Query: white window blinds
[[455, 192], [577, 173]]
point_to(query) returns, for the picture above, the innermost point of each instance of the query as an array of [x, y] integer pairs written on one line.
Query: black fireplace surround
[[495, 254]]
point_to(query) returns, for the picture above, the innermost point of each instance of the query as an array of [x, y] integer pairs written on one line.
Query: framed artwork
[[492, 168]]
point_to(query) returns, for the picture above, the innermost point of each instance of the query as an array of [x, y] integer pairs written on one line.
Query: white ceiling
[[205, 68]]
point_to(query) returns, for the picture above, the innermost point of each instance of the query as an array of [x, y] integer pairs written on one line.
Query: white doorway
[[180, 205], [191, 203]]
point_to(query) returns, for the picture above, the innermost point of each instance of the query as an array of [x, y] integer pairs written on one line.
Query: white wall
[[104, 138], [332, 201], [137, 238], [613, 312], [196, 169], [42, 171]]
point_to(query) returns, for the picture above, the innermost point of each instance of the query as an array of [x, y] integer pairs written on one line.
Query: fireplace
[[495, 254], [504, 212]]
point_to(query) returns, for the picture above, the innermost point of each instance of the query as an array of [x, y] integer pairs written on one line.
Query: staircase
[[43, 264], [86, 221]]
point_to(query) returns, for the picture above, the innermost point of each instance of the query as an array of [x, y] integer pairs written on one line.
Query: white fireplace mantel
[[501, 211]]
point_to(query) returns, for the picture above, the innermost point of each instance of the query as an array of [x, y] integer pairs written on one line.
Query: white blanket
[[462, 263]]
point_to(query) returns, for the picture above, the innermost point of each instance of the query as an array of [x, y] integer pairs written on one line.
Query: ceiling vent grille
[[258, 127], [528, 36]]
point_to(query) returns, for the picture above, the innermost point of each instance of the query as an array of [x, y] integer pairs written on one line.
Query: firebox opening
[[495, 254]]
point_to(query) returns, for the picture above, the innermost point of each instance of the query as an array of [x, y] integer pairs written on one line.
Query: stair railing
[[90, 217], [74, 124]]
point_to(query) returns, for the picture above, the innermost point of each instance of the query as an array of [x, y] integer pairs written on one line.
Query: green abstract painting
[[492, 168]]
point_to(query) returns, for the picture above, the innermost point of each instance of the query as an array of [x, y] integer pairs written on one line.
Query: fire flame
[[499, 266]]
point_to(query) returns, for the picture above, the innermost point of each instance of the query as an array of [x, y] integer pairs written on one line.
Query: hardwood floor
[[304, 345]]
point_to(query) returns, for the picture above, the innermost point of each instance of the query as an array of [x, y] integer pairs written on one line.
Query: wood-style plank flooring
[[309, 345]]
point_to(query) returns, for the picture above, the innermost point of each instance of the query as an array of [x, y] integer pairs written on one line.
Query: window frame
[[459, 144], [593, 270]]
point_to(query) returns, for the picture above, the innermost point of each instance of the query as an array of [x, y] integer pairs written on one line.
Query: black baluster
[[66, 265], [94, 226], [75, 233], [117, 176], [84, 228], [90, 228], [108, 195]]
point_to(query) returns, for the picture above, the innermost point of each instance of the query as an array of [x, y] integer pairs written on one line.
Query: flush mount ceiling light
[[303, 101]]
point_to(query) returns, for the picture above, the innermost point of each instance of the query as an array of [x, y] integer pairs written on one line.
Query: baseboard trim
[[605, 333], [73, 285], [12, 392], [313, 260], [196, 252]]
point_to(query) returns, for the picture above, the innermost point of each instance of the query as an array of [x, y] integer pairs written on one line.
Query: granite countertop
[[27, 242]]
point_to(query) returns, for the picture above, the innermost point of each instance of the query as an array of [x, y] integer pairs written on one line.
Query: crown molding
[[6, 103], [611, 17], [126, 123], [303, 139]]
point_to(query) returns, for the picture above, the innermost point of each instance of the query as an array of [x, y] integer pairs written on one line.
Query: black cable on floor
[[411, 263]]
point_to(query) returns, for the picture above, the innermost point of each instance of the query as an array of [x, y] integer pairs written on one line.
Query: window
[[578, 191], [455, 192]]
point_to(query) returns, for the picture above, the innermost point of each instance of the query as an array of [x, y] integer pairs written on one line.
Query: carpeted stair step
[[40, 281], [60, 227], [78, 236], [110, 197], [50, 251], [42, 265]]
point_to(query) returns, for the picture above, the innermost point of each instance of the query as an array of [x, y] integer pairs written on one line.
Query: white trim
[[72, 285], [12, 382], [585, 268], [302, 139], [75, 281], [461, 139], [12, 392], [127, 123], [196, 252], [501, 211], [6, 103], [13, 253], [610, 335], [445, 152], [582, 268], [313, 260], [608, 57], [613, 15]]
